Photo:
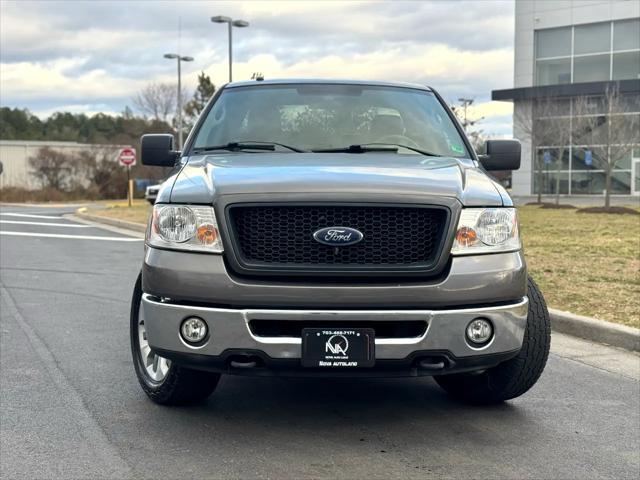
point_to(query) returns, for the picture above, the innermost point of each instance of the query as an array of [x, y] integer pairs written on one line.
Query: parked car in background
[[151, 193], [333, 228]]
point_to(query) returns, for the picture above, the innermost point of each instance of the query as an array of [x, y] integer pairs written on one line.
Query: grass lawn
[[138, 212], [587, 264]]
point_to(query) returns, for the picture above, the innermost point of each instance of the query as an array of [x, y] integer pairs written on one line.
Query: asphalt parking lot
[[70, 405]]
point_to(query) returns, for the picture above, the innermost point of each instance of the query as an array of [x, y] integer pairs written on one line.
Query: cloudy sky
[[93, 56]]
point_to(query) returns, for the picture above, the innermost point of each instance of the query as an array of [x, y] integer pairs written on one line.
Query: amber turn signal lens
[[207, 234], [465, 236]]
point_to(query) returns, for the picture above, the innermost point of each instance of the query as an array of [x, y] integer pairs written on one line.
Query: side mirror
[[501, 155], [157, 149]]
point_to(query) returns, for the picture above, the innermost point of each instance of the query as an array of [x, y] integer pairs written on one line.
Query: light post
[[465, 103], [180, 59], [231, 23]]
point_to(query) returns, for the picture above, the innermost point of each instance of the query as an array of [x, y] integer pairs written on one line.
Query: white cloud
[[87, 109], [93, 55], [24, 81]]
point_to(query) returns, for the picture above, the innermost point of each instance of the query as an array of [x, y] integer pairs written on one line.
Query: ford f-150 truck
[[334, 228]]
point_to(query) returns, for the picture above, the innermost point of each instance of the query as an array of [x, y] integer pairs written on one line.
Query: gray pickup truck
[[334, 228]]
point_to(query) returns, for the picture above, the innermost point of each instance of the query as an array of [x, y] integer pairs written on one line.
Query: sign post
[[127, 157]]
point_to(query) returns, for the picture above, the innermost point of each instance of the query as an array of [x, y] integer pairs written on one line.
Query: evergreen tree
[[201, 96]]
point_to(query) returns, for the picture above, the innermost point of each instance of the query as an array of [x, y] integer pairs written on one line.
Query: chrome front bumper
[[229, 329]]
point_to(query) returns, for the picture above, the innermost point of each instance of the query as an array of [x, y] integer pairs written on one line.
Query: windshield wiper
[[357, 149], [247, 145], [374, 147]]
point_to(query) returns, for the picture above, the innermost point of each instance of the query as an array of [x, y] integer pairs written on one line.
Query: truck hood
[[206, 177]]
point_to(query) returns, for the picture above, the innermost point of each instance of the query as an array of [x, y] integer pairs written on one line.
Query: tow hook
[[432, 363], [243, 361]]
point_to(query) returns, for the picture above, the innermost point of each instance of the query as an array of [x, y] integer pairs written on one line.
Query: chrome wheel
[[156, 366]]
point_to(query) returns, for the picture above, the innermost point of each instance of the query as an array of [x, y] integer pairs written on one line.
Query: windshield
[[325, 116]]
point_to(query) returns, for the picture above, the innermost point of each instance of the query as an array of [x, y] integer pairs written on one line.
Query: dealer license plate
[[338, 348]]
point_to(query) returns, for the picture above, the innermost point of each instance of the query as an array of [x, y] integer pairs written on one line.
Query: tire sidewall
[[514, 377], [147, 382]]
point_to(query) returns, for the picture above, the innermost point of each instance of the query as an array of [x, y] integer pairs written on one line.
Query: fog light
[[193, 330], [479, 331]]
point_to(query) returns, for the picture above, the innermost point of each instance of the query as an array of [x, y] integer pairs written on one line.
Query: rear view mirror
[[157, 149], [501, 155]]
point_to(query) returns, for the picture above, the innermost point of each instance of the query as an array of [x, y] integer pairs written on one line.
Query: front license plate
[[338, 348]]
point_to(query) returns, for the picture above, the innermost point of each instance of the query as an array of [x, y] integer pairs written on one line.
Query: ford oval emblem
[[338, 236]]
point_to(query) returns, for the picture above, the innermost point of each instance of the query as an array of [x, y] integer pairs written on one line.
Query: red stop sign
[[127, 157]]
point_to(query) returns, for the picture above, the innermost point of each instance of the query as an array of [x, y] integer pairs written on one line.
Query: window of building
[[553, 42], [591, 68], [552, 181], [626, 65], [587, 183], [593, 38], [587, 105], [588, 53], [626, 34], [623, 160], [554, 71], [630, 102], [621, 183], [576, 163], [588, 158]]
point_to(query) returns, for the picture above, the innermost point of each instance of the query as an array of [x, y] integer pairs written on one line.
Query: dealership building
[[569, 56]]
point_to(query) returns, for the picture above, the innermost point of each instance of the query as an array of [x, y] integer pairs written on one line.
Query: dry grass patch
[[138, 212], [585, 264]]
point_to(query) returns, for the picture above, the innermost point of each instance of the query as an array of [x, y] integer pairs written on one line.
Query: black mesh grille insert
[[282, 235]]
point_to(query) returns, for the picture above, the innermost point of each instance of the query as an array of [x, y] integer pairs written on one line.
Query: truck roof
[[328, 81]]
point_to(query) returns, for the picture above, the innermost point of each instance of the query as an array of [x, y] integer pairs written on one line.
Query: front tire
[[514, 377], [164, 382]]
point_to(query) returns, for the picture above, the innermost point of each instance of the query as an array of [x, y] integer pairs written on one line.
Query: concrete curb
[[599, 331], [136, 227], [40, 205], [595, 330]]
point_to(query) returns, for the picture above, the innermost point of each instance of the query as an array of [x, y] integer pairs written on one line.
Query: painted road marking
[[72, 225], [77, 237], [49, 217]]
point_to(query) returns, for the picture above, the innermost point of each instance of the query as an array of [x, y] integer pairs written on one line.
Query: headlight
[[487, 230], [184, 227]]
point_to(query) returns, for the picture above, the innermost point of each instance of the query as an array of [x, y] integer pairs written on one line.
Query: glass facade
[[588, 53], [573, 142]]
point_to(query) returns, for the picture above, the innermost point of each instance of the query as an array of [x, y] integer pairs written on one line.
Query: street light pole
[[465, 103], [231, 23], [179, 99]]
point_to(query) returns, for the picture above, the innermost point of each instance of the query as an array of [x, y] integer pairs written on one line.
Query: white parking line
[[77, 237], [49, 217], [18, 222]]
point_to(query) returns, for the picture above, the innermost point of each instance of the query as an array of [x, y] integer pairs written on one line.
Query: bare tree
[[158, 100], [52, 168], [610, 133], [545, 122], [99, 166]]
